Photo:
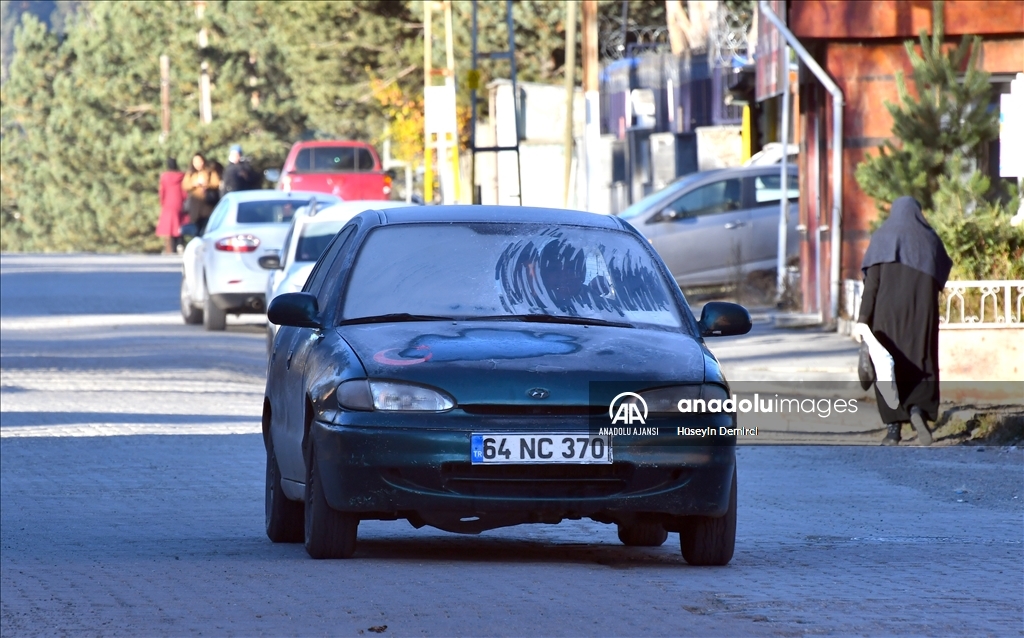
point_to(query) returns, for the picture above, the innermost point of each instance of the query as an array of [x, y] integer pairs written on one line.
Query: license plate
[[540, 448]]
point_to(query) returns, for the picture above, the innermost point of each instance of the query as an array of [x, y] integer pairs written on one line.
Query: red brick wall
[[861, 19]]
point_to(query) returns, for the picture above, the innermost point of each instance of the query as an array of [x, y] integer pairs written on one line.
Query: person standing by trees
[[201, 183], [238, 174], [905, 268], [172, 203]]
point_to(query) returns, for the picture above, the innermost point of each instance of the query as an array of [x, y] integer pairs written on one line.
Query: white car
[[312, 229], [220, 272]]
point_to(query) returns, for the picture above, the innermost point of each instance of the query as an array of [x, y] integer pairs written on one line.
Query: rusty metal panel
[[768, 60]]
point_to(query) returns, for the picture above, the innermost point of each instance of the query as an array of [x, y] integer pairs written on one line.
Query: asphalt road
[[131, 503]]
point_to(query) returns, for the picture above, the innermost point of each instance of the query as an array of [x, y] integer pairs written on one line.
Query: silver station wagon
[[715, 226]]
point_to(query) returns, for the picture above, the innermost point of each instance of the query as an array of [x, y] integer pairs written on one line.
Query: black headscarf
[[906, 238]]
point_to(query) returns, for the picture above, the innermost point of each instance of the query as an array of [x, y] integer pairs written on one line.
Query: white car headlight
[[388, 396]]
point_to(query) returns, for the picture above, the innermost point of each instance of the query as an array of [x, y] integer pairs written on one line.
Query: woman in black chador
[[905, 268]]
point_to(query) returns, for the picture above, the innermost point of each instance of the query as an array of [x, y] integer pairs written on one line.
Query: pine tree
[[25, 104], [945, 121]]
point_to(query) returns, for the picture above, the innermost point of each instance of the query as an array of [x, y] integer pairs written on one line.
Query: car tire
[[213, 317], [707, 540], [193, 316], [328, 532], [284, 517], [642, 535]]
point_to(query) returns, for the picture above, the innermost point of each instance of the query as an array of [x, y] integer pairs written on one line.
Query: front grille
[[502, 409]]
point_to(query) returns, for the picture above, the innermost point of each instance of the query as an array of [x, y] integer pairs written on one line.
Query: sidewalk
[[820, 364], [806, 362]]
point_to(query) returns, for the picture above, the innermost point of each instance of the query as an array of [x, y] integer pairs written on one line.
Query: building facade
[[860, 46]]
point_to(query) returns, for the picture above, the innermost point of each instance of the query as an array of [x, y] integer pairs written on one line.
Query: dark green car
[[478, 367]]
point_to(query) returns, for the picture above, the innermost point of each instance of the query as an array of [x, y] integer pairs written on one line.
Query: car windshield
[[266, 212], [645, 205], [334, 159], [496, 270], [314, 239]]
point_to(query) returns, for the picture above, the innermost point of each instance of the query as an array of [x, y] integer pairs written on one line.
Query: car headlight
[[666, 400], [389, 396]]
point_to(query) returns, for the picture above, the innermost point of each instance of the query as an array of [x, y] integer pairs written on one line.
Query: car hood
[[498, 362]]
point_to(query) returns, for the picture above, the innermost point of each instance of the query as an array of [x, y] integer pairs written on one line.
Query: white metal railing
[[982, 304], [963, 304]]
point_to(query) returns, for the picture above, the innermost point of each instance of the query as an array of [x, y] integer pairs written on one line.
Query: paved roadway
[[132, 504]]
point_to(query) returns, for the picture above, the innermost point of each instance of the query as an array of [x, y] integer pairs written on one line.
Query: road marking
[[131, 429]]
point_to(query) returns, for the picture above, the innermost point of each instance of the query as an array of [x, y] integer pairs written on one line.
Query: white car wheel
[[192, 315], [213, 317]]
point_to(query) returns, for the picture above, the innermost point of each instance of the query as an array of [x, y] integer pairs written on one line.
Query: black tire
[[193, 316], [710, 541], [284, 517], [642, 535], [329, 533], [213, 317]]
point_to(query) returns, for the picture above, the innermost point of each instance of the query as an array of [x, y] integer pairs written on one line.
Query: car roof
[[723, 173], [507, 214], [272, 195], [312, 143], [347, 209]]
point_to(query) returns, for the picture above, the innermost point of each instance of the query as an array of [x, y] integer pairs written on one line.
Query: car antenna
[[312, 207]]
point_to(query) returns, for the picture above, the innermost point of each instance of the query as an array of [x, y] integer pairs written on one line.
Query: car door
[[703, 232], [764, 218], [294, 345]]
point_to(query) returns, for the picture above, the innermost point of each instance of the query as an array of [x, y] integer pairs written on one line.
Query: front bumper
[[407, 472]]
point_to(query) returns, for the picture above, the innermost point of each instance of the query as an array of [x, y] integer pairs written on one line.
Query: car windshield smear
[[514, 271]]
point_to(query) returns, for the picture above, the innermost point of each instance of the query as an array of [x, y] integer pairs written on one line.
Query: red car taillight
[[238, 244], [387, 184]]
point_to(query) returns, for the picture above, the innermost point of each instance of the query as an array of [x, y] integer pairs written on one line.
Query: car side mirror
[[723, 319], [298, 309], [270, 262], [272, 174], [189, 230]]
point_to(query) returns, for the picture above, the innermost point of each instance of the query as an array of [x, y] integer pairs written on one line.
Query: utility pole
[[205, 105], [592, 96], [428, 52], [165, 98], [254, 97], [441, 132], [453, 147], [570, 89]]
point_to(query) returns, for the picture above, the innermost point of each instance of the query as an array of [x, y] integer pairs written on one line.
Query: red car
[[349, 170]]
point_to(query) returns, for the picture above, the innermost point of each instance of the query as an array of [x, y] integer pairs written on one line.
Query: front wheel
[[192, 315], [284, 517], [329, 533], [710, 541]]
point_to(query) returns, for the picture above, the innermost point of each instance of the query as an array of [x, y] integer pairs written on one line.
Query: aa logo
[[628, 408]]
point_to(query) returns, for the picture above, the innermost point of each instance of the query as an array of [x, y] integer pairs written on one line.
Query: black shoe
[[892, 437], [924, 437]]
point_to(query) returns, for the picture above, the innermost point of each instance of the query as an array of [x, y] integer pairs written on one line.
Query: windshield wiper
[[395, 317], [541, 318]]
